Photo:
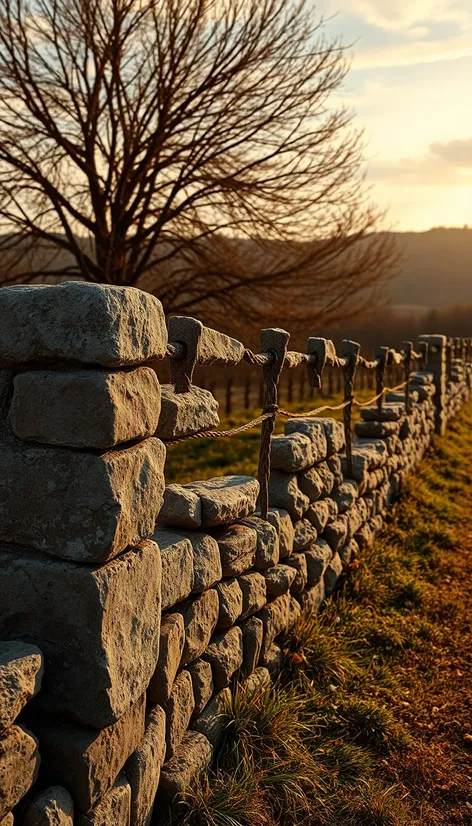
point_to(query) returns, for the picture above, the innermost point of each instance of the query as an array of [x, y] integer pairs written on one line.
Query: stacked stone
[[457, 388], [81, 478], [308, 483], [21, 671], [216, 623]]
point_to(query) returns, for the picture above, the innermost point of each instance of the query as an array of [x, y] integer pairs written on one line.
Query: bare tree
[[189, 147]]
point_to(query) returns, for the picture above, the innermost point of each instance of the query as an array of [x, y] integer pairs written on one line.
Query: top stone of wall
[[87, 323]]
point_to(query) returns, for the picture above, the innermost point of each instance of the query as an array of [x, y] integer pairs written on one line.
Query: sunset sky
[[410, 84]]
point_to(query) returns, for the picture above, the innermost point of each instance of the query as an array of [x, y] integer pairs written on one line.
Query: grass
[[370, 721]]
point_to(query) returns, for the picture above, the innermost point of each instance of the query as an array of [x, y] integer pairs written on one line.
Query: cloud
[[458, 153], [444, 164], [412, 53], [398, 15]]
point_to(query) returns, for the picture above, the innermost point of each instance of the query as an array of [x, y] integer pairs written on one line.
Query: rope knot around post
[[273, 341]]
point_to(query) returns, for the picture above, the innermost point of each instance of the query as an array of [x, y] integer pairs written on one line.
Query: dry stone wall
[[129, 608]]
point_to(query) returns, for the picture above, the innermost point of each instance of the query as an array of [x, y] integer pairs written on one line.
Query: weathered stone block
[[179, 709], [327, 477], [87, 761], [271, 659], [206, 557], [376, 430], [267, 547], [86, 507], [215, 718], [143, 768], [389, 413], [298, 562], [257, 681], [181, 508], [8, 820], [114, 808], [225, 654], [51, 807], [274, 617], [254, 592], [76, 321], [177, 567], [284, 493], [97, 627], [314, 429], [192, 758], [21, 672], [318, 515], [171, 645], [332, 574], [318, 558], [334, 464], [335, 436], [202, 681], [253, 634], [291, 453], [335, 534], [305, 534], [311, 484], [231, 602], [346, 495], [200, 618], [282, 522], [279, 579], [183, 414], [19, 766], [226, 498], [238, 545], [313, 598], [85, 408], [294, 612]]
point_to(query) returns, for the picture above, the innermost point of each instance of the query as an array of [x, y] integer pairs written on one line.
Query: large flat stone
[[53, 806], [253, 587], [202, 681], [284, 493], [192, 759], [225, 499], [206, 559], [279, 579], [200, 618], [113, 810], [86, 507], [21, 672], [231, 602], [181, 508], [225, 654], [85, 408], [213, 721], [84, 760], [335, 435], [183, 414], [238, 546], [291, 453], [171, 645], [179, 709], [267, 547], [97, 627], [143, 768], [87, 323], [177, 567], [311, 484], [315, 430], [305, 534], [19, 766]]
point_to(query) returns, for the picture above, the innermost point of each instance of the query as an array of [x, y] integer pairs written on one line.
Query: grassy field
[[204, 458], [370, 723]]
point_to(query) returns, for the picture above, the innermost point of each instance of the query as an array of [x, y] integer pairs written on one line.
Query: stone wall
[[128, 608]]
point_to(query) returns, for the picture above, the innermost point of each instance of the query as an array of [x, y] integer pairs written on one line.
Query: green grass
[[366, 725]]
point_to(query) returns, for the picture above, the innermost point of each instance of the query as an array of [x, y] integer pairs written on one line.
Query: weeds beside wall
[[130, 606]]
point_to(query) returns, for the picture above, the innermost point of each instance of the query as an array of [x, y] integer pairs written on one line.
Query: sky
[[410, 85]]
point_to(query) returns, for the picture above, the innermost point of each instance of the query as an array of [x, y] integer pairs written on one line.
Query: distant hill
[[436, 270]]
